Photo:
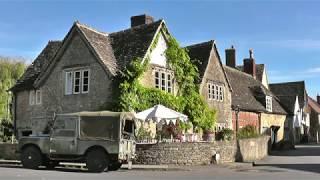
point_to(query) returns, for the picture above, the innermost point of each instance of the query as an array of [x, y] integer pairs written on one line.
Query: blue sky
[[285, 35]]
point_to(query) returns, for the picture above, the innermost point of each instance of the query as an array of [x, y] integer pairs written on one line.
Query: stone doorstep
[[82, 165]]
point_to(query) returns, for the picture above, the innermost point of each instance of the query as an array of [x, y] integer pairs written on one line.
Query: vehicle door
[[63, 136]]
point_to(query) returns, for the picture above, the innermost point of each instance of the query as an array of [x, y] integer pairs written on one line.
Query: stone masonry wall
[[8, 151], [202, 153]]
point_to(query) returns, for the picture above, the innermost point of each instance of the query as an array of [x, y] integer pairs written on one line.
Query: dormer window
[[269, 103]]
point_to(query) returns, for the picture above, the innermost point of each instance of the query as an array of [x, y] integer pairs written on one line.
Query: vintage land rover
[[103, 140]]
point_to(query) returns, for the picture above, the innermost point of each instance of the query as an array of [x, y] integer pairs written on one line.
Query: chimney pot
[[141, 19], [231, 57], [318, 99], [249, 65]]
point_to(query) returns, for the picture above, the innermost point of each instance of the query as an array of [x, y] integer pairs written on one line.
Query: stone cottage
[[78, 73], [293, 97], [214, 84], [252, 102], [314, 106]]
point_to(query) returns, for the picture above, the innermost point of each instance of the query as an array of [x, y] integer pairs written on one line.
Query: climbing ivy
[[135, 97]]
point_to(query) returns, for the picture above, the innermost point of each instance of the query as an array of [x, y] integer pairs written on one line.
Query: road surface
[[303, 163]]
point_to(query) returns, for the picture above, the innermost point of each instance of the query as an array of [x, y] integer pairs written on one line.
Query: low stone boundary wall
[[8, 151], [253, 149], [200, 153]]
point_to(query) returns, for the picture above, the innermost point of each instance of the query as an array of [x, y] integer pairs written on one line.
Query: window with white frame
[[68, 83], [35, 97], [163, 80], [215, 92], [77, 81], [85, 81], [38, 96], [32, 97], [269, 103]]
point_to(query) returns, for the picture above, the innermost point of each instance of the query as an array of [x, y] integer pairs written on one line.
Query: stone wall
[[202, 153], [253, 149], [76, 56], [269, 120], [8, 151], [214, 73]]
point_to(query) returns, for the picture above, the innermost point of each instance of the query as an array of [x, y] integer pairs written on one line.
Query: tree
[[11, 70]]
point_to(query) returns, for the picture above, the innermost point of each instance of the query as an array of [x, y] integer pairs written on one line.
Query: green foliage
[[10, 72], [134, 97], [143, 133], [248, 131], [184, 126], [225, 134]]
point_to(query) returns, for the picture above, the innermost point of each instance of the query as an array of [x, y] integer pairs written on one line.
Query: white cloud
[[314, 70]]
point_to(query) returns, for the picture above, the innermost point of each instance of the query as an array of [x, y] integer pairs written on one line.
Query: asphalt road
[[303, 163]]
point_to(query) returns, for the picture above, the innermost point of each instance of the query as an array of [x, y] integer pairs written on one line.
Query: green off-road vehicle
[[103, 140]]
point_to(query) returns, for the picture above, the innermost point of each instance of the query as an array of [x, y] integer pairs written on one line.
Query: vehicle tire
[[97, 160], [31, 157], [114, 166]]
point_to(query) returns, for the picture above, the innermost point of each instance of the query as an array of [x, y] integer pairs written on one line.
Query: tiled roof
[[289, 89], [259, 71], [201, 53], [39, 65], [249, 93], [101, 44], [133, 43], [115, 50], [314, 105]]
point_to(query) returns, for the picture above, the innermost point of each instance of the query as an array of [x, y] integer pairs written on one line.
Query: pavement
[[82, 165]]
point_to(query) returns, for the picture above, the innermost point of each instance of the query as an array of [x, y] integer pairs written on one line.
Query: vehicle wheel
[[114, 166], [97, 161], [31, 157]]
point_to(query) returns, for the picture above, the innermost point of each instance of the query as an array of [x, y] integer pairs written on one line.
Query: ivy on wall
[[134, 97]]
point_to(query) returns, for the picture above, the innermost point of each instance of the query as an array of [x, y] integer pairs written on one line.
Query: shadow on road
[[301, 150], [315, 168], [59, 169]]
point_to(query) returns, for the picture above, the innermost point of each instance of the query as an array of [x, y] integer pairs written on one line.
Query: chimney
[[231, 57], [249, 65], [318, 99], [140, 20]]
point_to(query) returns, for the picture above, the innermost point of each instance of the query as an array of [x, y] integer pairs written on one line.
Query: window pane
[[68, 83], [157, 79], [214, 92], [38, 97], [76, 89], [163, 81], [31, 97], [209, 91], [85, 81], [85, 73]]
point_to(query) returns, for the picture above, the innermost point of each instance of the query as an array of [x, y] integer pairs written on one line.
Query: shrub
[[248, 131], [225, 134], [143, 133]]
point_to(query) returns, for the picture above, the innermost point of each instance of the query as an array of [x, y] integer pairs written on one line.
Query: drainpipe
[[14, 99], [237, 110], [260, 124]]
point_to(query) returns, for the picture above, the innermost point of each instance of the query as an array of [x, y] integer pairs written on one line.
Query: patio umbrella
[[160, 112]]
